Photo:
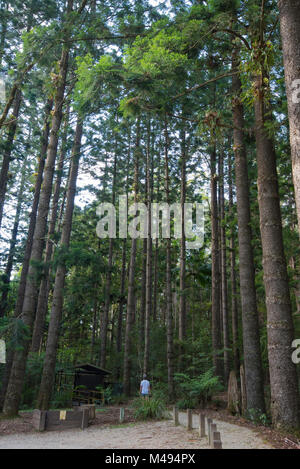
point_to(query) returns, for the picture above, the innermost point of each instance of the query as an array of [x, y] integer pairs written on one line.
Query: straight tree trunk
[[289, 11], [143, 295], [29, 241], [130, 316], [42, 303], [224, 296], [234, 305], [283, 375], [58, 292], [104, 319], [251, 339], [182, 274], [8, 147], [148, 260], [216, 277], [13, 242], [169, 312], [14, 390], [122, 298]]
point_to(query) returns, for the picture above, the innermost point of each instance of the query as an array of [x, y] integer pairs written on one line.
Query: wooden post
[[209, 422], [243, 390], [175, 413], [216, 440], [213, 428], [85, 418], [189, 419], [122, 414], [201, 425], [39, 420]]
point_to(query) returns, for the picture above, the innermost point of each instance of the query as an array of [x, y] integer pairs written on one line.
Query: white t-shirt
[[145, 385]]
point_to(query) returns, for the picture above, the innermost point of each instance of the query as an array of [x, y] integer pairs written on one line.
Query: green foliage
[[258, 418], [197, 390], [151, 409]]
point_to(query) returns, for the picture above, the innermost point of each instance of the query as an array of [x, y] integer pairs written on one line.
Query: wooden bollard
[[85, 418], [189, 419], [175, 414], [216, 438], [209, 422], [201, 425], [122, 414], [39, 420], [213, 428]]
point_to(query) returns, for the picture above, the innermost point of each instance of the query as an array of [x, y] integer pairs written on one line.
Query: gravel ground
[[152, 435], [232, 436]]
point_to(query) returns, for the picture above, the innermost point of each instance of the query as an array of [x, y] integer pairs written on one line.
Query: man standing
[[145, 387]]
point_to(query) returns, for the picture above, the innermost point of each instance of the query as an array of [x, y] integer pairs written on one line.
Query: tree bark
[[224, 296], [283, 375], [14, 390], [169, 312], [29, 240], [251, 339], [35, 203], [8, 147], [234, 305], [182, 274], [13, 242], [216, 278], [130, 315], [148, 260], [289, 11], [42, 303], [58, 292], [104, 318]]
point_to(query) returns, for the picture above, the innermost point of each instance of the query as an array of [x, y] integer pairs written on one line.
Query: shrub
[[197, 390], [150, 409], [189, 403]]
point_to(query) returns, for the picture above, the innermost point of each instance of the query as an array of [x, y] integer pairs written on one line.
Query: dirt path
[[152, 435], [232, 436]]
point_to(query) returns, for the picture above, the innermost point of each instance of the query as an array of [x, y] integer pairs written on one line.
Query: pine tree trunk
[[8, 147], [122, 298], [35, 203], [14, 390], [234, 305], [290, 34], [58, 292], [130, 315], [216, 278], [251, 339], [283, 376], [148, 261], [182, 298], [224, 296], [13, 242], [42, 303], [143, 295], [169, 312], [104, 318], [29, 240]]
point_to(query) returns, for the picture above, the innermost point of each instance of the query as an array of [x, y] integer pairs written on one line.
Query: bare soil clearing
[[150, 435], [105, 432]]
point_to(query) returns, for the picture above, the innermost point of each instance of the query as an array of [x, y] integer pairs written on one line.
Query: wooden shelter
[[85, 380]]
